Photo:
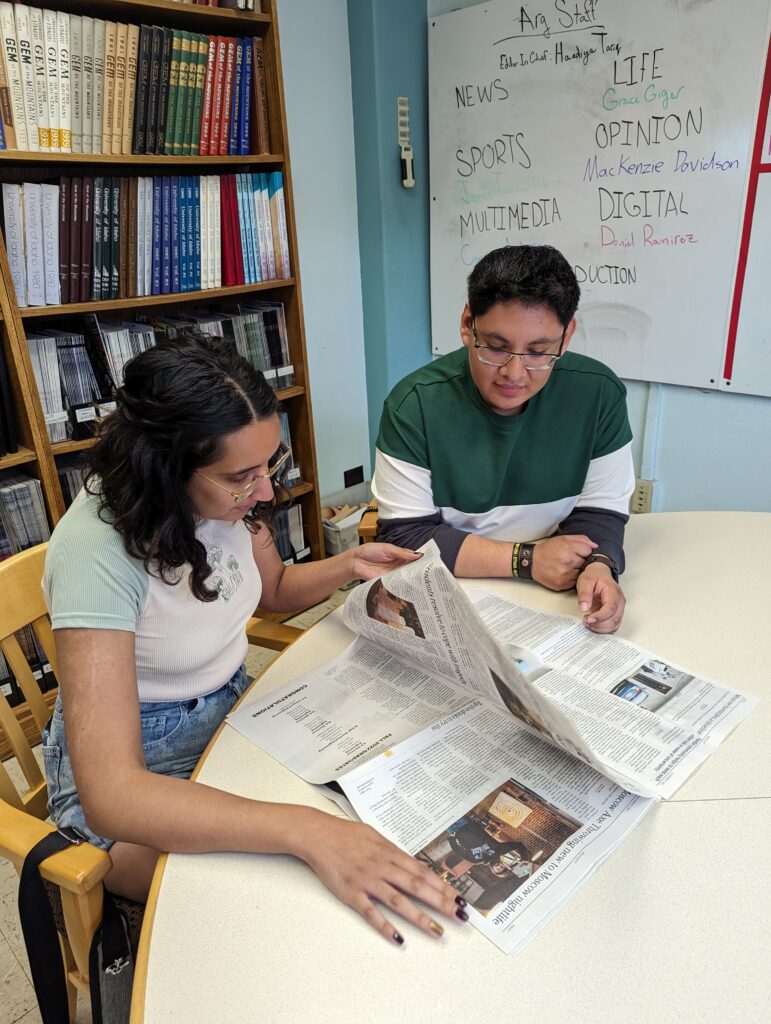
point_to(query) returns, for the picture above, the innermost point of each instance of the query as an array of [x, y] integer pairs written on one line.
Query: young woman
[[150, 578]]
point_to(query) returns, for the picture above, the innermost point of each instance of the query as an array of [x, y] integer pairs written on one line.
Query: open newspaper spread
[[510, 749]]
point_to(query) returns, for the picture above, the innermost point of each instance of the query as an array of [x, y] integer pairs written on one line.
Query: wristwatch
[[606, 560]]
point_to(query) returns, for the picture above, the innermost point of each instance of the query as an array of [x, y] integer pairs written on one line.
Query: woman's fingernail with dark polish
[[461, 914], [398, 938], [460, 901]]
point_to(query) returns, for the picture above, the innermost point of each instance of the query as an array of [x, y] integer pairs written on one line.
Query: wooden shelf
[[297, 492], [63, 447], [34, 312], [215, 20], [137, 159], [17, 458]]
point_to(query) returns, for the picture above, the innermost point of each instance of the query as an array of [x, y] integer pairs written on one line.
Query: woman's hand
[[363, 870], [371, 560]]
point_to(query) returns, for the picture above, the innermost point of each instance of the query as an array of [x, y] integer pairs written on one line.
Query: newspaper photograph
[[512, 823]]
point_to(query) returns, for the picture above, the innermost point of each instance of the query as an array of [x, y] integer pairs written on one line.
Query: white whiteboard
[[621, 133]]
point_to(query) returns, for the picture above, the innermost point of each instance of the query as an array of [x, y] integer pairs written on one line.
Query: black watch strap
[[605, 560]]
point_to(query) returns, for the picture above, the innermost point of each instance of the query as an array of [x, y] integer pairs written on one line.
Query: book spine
[[226, 236], [86, 237], [148, 283], [76, 72], [182, 206], [283, 232], [50, 200], [76, 185], [51, 44], [192, 77], [6, 110], [157, 219], [96, 239], [217, 95], [205, 236], [133, 241], [208, 90], [261, 131], [217, 220], [237, 237], [163, 95], [115, 239], [182, 93], [243, 224], [254, 247], [227, 96], [33, 238], [171, 114], [197, 233], [13, 72], [119, 99], [99, 43], [64, 240], [174, 234], [200, 80], [123, 237], [87, 34], [139, 141], [269, 246], [235, 109], [165, 236], [14, 239], [139, 286], [260, 227], [129, 99], [65, 81], [110, 46], [41, 77], [245, 128], [190, 230], [106, 231], [27, 70]]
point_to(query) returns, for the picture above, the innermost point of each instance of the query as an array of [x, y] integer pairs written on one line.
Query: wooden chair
[[77, 872], [368, 524]]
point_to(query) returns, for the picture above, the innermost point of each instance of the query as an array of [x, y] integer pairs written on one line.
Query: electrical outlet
[[642, 497], [354, 476]]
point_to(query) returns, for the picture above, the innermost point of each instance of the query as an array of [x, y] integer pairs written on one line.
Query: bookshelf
[[36, 454]]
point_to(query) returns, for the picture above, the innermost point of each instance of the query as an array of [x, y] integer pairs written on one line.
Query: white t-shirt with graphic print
[[185, 648]]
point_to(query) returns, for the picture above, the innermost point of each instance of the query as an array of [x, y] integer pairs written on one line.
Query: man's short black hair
[[535, 275]]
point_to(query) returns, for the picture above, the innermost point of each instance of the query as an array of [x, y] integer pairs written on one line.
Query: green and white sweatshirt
[[447, 465]]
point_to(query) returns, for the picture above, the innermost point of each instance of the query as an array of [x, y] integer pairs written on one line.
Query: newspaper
[[510, 749]]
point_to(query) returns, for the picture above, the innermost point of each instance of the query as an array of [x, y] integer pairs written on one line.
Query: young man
[[512, 439]]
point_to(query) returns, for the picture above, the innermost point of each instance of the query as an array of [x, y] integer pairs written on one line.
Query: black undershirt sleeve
[[604, 527], [414, 533]]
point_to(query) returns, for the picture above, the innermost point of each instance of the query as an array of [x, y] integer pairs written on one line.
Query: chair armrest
[[368, 525], [78, 869], [274, 635]]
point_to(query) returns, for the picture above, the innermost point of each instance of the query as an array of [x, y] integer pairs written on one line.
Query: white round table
[[674, 926]]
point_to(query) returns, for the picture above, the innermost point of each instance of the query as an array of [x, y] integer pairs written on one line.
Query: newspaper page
[[513, 823], [591, 676]]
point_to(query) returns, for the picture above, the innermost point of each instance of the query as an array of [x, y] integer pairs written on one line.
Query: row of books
[[8, 435], [73, 83], [95, 238], [23, 523], [289, 535], [79, 366]]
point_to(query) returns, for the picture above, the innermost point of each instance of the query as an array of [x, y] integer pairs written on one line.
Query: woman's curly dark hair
[[178, 402]]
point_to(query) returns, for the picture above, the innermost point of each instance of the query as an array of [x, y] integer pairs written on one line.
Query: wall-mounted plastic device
[[405, 149]]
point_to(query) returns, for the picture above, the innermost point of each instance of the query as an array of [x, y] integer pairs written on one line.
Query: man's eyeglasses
[[280, 458], [501, 356]]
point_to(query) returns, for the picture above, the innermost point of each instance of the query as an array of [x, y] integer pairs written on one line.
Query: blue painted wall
[[388, 59], [707, 450]]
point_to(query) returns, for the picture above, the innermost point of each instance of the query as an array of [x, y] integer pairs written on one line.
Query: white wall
[[317, 88]]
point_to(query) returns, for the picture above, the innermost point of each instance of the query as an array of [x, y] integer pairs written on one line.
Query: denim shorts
[[174, 735]]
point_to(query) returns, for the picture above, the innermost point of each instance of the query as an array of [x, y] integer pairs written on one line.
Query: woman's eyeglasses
[[269, 474]]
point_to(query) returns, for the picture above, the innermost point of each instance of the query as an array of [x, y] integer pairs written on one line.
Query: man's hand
[[556, 561], [600, 598]]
